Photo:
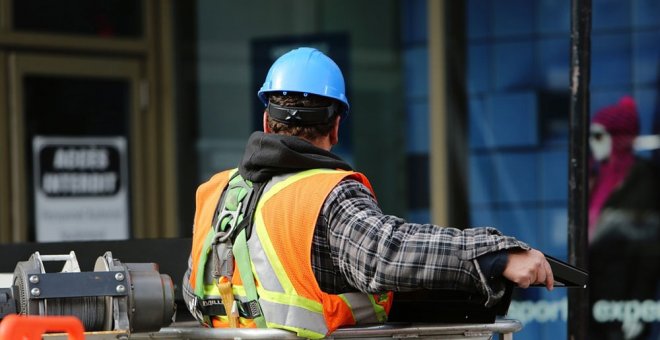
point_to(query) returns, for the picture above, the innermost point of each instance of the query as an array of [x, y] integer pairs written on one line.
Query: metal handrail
[[192, 331], [504, 327]]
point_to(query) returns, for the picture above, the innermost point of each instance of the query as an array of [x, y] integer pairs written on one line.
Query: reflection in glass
[[624, 226]]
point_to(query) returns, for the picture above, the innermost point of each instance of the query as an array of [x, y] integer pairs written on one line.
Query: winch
[[132, 297]]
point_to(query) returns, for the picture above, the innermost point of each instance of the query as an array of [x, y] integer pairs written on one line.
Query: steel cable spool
[[90, 310]]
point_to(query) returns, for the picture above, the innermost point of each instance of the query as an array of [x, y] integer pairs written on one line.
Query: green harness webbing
[[232, 223]]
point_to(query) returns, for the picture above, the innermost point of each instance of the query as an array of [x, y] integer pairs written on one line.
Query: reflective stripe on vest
[[294, 318], [362, 307]]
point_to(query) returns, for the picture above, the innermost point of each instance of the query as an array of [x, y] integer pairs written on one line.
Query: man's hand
[[528, 267]]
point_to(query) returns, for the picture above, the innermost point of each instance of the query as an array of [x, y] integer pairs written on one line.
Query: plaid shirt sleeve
[[375, 252]]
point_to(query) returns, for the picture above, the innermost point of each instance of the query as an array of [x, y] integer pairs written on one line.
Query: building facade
[[114, 111]]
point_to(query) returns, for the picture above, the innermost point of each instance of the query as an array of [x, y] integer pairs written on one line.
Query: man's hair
[[310, 132]]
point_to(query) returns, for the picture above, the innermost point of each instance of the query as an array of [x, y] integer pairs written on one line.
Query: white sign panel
[[80, 188]]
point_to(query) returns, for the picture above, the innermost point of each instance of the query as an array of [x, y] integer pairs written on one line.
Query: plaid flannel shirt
[[358, 248]]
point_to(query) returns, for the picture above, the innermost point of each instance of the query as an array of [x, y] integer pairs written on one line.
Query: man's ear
[[334, 133], [265, 122]]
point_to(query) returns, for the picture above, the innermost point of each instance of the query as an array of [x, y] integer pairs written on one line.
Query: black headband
[[301, 115]]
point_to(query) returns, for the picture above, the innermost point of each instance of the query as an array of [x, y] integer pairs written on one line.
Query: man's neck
[[323, 143]]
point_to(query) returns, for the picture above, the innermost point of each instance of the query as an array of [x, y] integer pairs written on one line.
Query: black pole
[[578, 299]]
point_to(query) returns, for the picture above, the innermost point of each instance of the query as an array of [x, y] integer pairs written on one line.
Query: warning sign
[[80, 187], [79, 170]]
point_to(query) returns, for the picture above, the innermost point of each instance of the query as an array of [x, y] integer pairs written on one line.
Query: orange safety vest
[[280, 254]]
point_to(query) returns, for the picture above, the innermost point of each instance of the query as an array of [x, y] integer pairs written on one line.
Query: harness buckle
[[222, 236], [194, 310]]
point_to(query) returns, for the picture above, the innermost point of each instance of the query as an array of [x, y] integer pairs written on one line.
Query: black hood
[[268, 154]]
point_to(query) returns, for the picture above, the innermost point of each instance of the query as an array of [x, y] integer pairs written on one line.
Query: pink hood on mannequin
[[622, 123]]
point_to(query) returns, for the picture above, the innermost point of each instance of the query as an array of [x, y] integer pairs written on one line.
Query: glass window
[[518, 132], [76, 106], [101, 18]]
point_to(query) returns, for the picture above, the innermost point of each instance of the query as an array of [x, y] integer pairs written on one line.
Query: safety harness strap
[[233, 221], [215, 307]]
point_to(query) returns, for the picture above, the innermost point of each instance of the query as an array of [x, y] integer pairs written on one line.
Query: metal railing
[[191, 331]]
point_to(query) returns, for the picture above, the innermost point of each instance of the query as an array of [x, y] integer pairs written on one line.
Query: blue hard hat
[[305, 70]]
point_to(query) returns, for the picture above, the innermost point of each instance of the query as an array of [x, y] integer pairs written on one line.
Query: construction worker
[[294, 238]]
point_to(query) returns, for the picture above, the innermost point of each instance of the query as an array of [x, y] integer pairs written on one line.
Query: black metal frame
[[578, 299]]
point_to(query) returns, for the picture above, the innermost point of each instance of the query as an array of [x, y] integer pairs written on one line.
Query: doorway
[[75, 124]]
